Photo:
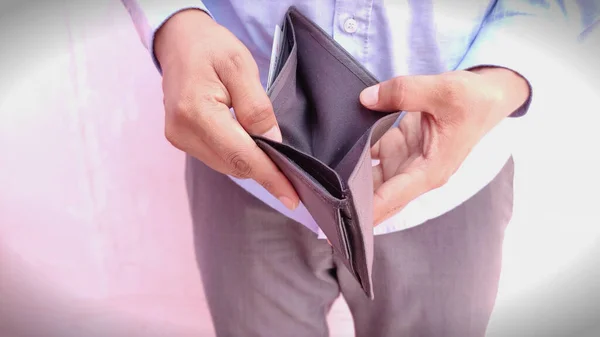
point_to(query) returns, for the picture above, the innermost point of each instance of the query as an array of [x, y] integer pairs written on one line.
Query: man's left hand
[[447, 115]]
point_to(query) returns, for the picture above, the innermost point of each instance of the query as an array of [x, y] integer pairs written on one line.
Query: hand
[[447, 115], [206, 71]]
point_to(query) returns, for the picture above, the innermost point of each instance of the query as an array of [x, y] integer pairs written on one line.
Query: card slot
[[318, 171], [286, 47], [361, 252], [343, 237], [286, 59]]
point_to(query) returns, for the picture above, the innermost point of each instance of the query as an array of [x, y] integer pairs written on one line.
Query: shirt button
[[350, 26]]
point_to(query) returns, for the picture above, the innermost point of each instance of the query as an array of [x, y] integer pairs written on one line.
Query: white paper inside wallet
[[275, 53]]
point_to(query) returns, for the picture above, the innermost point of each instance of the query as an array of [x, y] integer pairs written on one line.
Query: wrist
[[169, 36], [513, 88]]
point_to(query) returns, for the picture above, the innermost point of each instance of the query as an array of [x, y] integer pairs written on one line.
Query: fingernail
[[287, 202], [273, 134], [370, 96]]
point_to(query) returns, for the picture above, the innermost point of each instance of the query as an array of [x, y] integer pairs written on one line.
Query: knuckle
[[220, 95], [239, 164], [393, 210], [213, 95], [439, 180], [182, 110], [452, 92], [172, 135], [189, 107], [388, 212], [267, 184], [175, 122], [398, 90], [235, 61]]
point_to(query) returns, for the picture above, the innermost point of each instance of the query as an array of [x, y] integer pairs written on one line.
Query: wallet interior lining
[[327, 135], [323, 80]]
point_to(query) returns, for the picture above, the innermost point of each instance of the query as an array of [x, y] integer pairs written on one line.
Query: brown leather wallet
[[327, 136]]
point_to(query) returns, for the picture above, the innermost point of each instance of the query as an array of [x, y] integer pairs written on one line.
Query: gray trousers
[[266, 275]]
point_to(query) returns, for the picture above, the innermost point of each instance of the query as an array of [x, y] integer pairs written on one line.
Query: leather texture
[[327, 136]]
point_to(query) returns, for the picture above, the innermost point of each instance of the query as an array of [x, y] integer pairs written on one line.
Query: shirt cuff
[[149, 16]]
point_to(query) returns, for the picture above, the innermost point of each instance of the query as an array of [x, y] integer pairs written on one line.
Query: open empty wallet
[[327, 136]]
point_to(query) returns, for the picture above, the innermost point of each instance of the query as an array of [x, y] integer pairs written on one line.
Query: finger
[[182, 116], [393, 144], [195, 146], [378, 177], [253, 109], [188, 142], [376, 150], [394, 194], [228, 139], [411, 93]]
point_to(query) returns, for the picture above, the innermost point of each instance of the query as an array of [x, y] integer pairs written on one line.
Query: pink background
[[95, 237]]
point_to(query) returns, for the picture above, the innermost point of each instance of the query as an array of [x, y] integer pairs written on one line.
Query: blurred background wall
[[95, 237]]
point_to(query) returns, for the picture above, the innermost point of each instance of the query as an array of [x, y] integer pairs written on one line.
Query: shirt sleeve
[[519, 35], [149, 15]]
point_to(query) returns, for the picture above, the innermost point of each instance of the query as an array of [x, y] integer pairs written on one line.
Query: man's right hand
[[207, 70]]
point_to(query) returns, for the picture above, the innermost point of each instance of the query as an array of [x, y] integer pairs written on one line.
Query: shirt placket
[[351, 25]]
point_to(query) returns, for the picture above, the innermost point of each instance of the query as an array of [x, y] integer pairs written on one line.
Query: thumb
[[254, 110], [404, 93], [252, 106]]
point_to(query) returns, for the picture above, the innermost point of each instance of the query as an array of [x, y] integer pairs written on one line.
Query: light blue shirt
[[392, 38]]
